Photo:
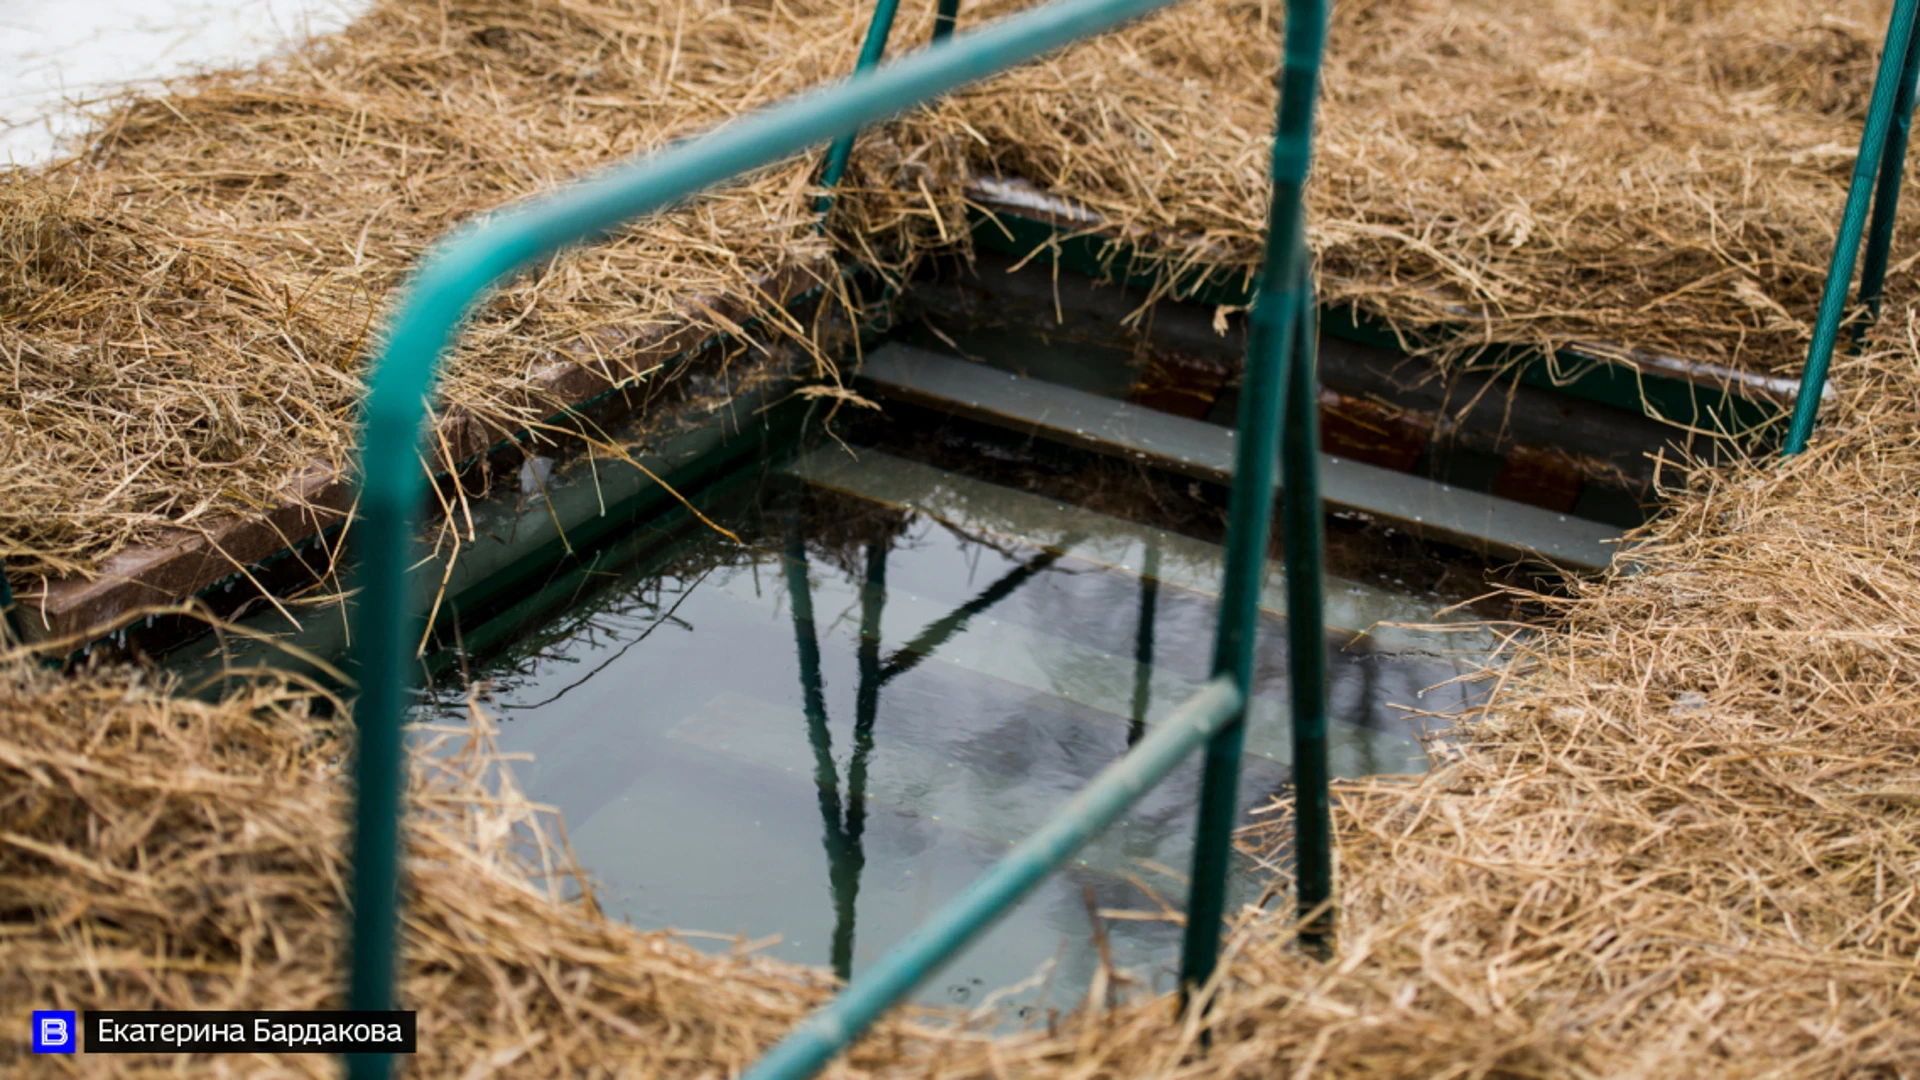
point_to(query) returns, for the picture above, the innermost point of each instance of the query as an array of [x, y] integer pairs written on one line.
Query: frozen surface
[[58, 56]]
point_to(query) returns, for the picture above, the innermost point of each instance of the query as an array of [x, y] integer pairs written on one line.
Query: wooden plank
[[185, 562], [1482, 523]]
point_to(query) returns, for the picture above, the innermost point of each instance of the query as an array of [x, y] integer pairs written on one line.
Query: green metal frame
[[944, 16], [879, 27], [875, 46], [9, 615], [466, 266], [1877, 171], [1567, 371], [1279, 381]]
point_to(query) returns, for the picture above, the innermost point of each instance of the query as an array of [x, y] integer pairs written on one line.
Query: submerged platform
[[1481, 523], [1356, 611], [900, 671]]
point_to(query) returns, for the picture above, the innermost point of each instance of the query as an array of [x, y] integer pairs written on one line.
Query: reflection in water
[[938, 631], [663, 719], [844, 858], [842, 840], [1143, 646]]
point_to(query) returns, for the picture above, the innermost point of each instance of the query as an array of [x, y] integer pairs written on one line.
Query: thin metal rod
[[878, 28], [383, 648], [1846, 248], [1143, 644], [1271, 337], [1304, 541], [1886, 194], [960, 921], [452, 278], [12, 615], [945, 14]]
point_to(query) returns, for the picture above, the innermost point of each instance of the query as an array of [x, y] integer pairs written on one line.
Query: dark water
[[827, 732]]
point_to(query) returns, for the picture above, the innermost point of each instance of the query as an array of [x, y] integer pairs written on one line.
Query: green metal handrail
[[1279, 382], [1105, 798], [944, 16], [875, 45], [879, 26], [1876, 178]]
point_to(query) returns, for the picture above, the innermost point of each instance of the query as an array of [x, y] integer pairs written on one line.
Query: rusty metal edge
[[191, 560], [1018, 196]]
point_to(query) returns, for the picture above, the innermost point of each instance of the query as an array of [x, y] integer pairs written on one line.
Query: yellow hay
[[1682, 839], [1662, 175]]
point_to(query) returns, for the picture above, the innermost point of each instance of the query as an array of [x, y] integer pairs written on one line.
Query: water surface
[[824, 732]]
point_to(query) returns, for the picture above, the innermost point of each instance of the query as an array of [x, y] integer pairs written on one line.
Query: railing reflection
[[843, 819], [1143, 645]]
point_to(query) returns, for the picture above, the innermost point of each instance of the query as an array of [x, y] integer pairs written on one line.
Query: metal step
[[1037, 661], [1356, 610], [1482, 523]]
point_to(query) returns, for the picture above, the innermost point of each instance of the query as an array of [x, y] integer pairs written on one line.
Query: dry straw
[[162, 853], [1664, 175], [186, 306], [1683, 839]]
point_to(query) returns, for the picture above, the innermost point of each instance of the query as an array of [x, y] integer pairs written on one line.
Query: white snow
[[57, 56]]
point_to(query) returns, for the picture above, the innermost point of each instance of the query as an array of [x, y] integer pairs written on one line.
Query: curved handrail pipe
[[458, 272], [462, 269]]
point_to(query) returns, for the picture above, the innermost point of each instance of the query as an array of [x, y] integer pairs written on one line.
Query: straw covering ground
[[186, 308], [165, 854], [1683, 840], [1660, 175]]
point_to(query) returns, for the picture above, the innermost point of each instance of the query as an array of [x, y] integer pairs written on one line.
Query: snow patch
[[63, 56]]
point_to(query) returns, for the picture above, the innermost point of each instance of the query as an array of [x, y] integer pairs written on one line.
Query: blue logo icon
[[54, 1032]]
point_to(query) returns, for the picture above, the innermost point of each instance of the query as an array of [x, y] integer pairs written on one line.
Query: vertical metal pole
[[1886, 194], [12, 617], [944, 16], [870, 52], [1271, 334], [1305, 543], [385, 637], [1866, 165], [1143, 644]]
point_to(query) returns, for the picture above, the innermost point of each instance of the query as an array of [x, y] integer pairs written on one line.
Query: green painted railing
[[9, 616], [1279, 384], [875, 45], [1877, 172]]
